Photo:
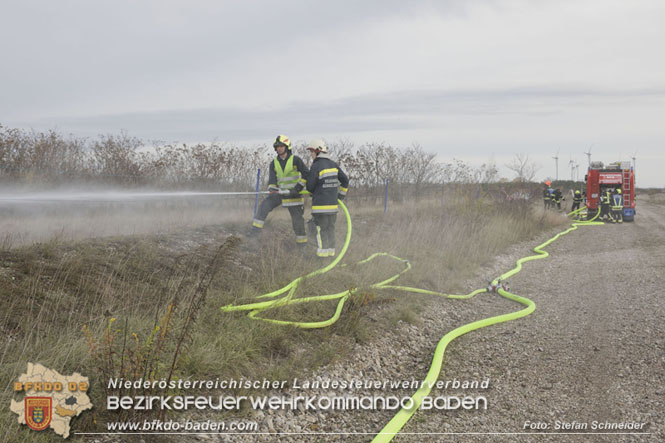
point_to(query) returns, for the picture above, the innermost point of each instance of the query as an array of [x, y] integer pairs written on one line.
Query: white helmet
[[317, 145]]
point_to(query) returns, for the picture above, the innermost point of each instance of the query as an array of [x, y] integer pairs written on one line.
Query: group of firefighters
[[611, 205], [611, 202], [552, 197], [290, 179]]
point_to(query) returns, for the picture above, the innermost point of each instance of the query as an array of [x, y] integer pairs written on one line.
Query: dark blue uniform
[[326, 182]]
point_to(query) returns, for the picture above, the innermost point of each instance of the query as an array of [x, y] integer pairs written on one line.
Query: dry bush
[[121, 353], [44, 159], [114, 159], [54, 289], [50, 158], [40, 157]]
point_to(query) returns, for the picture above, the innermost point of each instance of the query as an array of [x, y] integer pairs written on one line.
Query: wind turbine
[[588, 155], [571, 165], [556, 161]]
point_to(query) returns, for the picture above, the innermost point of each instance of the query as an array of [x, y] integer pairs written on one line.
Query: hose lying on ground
[[399, 420], [289, 289]]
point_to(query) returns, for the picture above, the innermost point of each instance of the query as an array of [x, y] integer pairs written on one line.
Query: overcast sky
[[473, 80]]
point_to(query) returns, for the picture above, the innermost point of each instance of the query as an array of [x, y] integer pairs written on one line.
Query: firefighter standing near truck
[[287, 177], [605, 198], [617, 206], [577, 200], [326, 182]]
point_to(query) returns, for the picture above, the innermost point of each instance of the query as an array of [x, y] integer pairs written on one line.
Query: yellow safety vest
[[288, 178]]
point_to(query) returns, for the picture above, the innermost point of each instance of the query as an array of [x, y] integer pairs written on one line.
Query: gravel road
[[589, 359]]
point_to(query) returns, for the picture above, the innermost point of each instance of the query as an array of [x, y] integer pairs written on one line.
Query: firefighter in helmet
[[556, 198], [327, 183], [617, 206], [577, 200], [605, 197], [287, 177]]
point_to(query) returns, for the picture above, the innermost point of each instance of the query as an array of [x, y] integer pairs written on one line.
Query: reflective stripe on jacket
[[287, 173], [287, 177], [617, 201], [325, 181]]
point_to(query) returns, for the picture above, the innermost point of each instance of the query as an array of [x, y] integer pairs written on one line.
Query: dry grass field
[[134, 290]]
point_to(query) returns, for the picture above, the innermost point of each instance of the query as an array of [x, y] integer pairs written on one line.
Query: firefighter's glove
[[273, 189], [295, 191]]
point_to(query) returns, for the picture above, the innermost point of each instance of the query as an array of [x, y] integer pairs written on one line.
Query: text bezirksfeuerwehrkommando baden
[[346, 401]]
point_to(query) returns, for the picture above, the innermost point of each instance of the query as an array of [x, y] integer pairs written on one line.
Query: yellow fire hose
[[399, 420]]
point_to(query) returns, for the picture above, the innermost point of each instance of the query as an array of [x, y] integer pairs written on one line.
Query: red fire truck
[[600, 178]]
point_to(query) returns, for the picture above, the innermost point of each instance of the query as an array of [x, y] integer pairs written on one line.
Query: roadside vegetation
[[147, 305], [36, 159]]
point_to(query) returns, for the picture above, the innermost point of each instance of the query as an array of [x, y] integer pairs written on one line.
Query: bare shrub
[[115, 158], [50, 158], [524, 169], [40, 157]]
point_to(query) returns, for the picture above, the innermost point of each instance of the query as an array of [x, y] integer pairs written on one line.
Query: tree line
[[51, 158]]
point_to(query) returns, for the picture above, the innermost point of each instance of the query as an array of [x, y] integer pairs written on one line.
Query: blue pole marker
[[258, 182], [385, 199]]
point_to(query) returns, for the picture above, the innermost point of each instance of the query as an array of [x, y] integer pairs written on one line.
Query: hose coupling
[[494, 287]]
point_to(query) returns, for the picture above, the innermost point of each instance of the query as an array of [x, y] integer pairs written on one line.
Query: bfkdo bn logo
[[38, 412], [51, 399]]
